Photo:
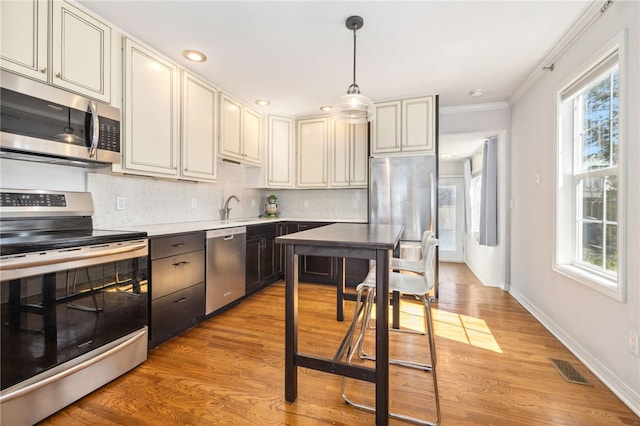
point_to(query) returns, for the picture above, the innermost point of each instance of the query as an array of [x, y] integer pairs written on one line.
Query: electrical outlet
[[633, 344], [253, 202], [120, 203], [194, 203]]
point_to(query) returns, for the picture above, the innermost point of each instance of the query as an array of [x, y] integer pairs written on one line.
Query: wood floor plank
[[493, 369]]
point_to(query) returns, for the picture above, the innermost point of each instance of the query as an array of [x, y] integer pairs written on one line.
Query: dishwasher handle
[[226, 233]]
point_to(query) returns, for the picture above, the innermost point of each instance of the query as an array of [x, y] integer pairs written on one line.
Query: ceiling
[[299, 54]]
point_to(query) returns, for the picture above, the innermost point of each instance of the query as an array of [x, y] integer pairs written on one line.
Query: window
[[475, 195], [589, 240]]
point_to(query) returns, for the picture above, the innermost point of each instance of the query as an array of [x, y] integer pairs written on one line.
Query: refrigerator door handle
[[434, 201]]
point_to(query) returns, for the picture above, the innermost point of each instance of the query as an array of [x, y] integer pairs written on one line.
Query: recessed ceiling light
[[262, 102], [194, 55], [326, 108], [475, 93]]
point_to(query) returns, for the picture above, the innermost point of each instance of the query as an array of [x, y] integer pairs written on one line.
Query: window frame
[[567, 207]]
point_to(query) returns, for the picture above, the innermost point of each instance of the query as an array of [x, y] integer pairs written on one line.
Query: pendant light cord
[[354, 57]]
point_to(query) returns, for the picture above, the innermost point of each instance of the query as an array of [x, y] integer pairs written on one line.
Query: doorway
[[451, 219]]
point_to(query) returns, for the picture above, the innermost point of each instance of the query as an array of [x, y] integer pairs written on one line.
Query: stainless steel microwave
[[44, 123]]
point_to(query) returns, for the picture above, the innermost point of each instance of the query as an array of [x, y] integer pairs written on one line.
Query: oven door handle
[[64, 256]]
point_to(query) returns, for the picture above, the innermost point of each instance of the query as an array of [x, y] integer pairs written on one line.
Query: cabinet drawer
[[176, 272], [259, 231], [176, 244], [175, 312]]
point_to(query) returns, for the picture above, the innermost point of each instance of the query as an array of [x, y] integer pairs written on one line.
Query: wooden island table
[[341, 240]]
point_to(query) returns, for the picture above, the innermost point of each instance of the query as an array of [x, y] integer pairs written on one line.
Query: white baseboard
[[630, 398], [483, 279]]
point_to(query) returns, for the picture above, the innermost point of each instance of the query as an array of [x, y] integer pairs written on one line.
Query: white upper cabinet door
[[280, 152], [23, 37], [417, 124], [340, 154], [81, 52], [312, 153], [349, 155], [251, 131], [230, 144], [199, 129], [386, 128], [359, 158], [151, 115]]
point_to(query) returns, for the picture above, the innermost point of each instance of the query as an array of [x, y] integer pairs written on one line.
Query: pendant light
[[354, 107]]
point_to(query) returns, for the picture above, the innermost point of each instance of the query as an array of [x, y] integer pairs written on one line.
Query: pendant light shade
[[354, 107]]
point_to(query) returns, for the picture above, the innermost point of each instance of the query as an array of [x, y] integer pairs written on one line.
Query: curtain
[[489, 196], [467, 195]]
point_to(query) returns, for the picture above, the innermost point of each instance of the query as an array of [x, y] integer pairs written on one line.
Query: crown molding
[[589, 15]]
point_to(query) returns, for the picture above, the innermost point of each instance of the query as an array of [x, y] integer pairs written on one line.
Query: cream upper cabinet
[[198, 160], [23, 37], [312, 143], [251, 135], [404, 127], [80, 55], [240, 131], [151, 112], [349, 155], [418, 131], [81, 52], [386, 128], [280, 152]]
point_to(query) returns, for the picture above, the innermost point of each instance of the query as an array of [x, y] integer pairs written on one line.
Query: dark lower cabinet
[[320, 269], [177, 285], [261, 257]]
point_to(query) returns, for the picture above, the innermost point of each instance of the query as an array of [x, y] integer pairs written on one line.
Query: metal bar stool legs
[[360, 324]]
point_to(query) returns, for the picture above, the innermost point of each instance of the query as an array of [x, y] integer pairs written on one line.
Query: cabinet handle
[[43, 70], [178, 245], [180, 263], [58, 75], [182, 299]]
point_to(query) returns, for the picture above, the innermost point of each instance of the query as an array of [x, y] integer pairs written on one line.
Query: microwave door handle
[[95, 129]]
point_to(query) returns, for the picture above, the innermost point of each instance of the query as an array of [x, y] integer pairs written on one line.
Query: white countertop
[[177, 228]]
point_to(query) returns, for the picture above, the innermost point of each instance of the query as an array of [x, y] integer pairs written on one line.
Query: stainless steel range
[[73, 302]]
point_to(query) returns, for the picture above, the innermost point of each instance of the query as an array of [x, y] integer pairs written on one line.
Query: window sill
[[607, 286]]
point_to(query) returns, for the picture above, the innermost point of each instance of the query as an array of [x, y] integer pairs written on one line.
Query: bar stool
[[416, 266], [415, 285]]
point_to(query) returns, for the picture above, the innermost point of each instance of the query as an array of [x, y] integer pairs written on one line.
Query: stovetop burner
[[33, 221]]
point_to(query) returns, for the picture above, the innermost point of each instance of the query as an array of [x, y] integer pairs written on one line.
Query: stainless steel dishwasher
[[225, 273]]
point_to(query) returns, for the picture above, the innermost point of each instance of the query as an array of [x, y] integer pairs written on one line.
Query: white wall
[[450, 168], [595, 327], [489, 264]]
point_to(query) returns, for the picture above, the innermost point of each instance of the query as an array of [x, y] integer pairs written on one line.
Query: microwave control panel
[[109, 139]]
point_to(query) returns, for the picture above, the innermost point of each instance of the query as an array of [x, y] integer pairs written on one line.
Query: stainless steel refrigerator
[[403, 191]]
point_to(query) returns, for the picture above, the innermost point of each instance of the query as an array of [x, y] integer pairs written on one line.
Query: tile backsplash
[[149, 201]]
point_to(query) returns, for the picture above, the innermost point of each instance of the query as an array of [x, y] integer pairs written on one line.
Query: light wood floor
[[493, 369]]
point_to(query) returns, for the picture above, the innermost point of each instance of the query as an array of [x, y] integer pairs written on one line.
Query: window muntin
[[596, 112]]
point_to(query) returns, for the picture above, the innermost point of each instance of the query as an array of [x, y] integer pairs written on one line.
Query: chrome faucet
[[226, 208]]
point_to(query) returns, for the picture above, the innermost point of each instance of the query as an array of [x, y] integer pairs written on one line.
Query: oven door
[[59, 305]]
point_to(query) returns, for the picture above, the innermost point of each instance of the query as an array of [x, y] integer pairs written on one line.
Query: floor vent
[[569, 373]]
